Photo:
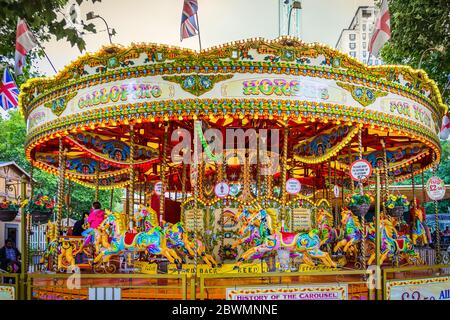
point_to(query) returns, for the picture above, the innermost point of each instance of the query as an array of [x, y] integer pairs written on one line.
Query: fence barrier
[[106, 287]]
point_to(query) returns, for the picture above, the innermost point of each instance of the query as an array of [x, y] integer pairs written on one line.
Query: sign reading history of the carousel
[[419, 289], [313, 292]]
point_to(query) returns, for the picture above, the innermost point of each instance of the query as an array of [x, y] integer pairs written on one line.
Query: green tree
[[416, 26], [12, 142], [42, 18]]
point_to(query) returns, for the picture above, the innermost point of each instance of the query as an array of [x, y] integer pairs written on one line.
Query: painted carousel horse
[[51, 238], [352, 233], [393, 245], [153, 241], [418, 230], [178, 238], [328, 235], [252, 236], [147, 217], [272, 240]]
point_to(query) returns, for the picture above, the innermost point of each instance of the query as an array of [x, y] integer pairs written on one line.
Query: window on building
[[370, 62], [353, 54], [352, 36], [364, 27], [352, 45], [364, 35], [364, 54], [364, 45]]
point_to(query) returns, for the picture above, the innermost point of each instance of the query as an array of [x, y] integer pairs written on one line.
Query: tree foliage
[[12, 141], [418, 25], [41, 16]]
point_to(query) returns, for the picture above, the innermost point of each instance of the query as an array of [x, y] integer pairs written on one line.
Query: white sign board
[[360, 170], [293, 186], [315, 292], [336, 191], [7, 293], [158, 188], [437, 288], [222, 189], [435, 188]]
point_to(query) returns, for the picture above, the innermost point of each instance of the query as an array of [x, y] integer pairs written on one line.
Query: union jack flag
[[189, 24], [8, 92]]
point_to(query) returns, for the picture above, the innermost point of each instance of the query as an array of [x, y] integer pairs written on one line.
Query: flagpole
[[39, 45], [198, 26]]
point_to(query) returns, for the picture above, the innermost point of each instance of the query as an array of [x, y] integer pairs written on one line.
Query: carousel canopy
[[321, 95]]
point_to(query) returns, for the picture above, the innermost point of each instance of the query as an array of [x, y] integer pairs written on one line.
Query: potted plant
[[396, 205], [8, 210], [359, 203], [40, 208]]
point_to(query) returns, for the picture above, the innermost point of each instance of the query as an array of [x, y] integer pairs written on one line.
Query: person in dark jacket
[[9, 257], [78, 226]]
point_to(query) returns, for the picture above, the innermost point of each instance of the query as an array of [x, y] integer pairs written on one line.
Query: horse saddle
[[129, 237], [400, 244], [287, 238]]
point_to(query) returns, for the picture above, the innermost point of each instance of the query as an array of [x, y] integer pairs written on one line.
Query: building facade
[[356, 38], [10, 189], [284, 8]]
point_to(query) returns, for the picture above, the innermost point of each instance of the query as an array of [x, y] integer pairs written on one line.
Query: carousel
[[248, 151]]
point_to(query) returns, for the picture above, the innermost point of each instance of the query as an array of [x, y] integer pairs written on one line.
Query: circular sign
[[222, 189], [435, 188], [234, 189], [336, 191], [360, 170], [293, 186], [158, 188]]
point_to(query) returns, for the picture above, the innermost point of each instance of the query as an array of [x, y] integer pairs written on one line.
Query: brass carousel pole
[[29, 221], [183, 191], [97, 178], [386, 176], [378, 235], [132, 173], [220, 178], [162, 168], [23, 239], [436, 212], [284, 175], [195, 191], [62, 169], [361, 191]]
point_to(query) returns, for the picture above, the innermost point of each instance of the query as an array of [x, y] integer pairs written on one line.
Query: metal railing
[[9, 286], [213, 286], [132, 286]]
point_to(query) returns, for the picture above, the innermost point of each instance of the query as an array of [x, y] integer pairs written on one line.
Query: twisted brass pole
[[163, 173], [132, 174], [284, 174], [62, 168], [363, 219]]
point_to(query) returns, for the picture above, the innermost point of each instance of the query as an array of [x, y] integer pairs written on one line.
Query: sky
[[221, 21]]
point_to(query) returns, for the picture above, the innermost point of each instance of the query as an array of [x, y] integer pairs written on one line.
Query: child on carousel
[[95, 218]]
